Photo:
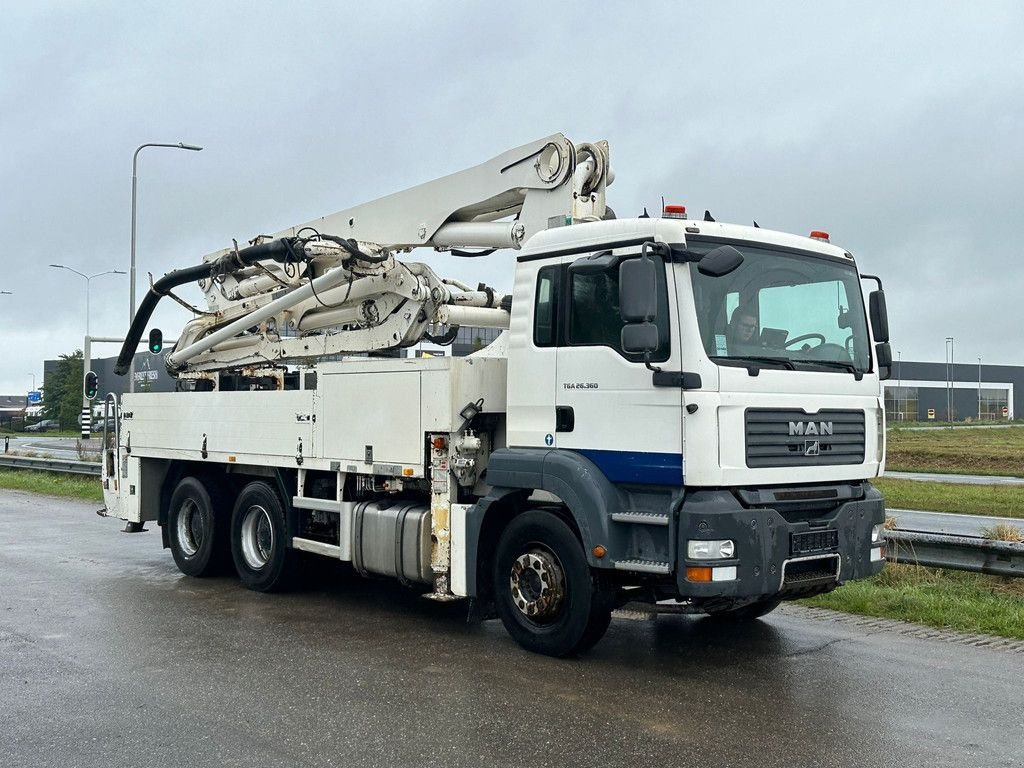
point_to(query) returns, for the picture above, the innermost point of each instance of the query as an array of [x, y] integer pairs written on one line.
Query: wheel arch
[[584, 499]]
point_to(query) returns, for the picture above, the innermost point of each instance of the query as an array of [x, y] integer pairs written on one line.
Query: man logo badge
[[810, 428], [812, 448]]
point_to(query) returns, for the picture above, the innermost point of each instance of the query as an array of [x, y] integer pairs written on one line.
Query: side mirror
[[883, 356], [638, 291], [594, 263], [640, 338], [879, 315], [720, 262]]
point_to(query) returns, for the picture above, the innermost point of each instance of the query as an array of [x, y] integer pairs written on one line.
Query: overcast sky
[[896, 127]]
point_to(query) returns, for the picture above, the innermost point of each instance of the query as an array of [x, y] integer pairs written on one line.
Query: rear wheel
[[546, 595], [198, 533], [746, 612], [259, 539]]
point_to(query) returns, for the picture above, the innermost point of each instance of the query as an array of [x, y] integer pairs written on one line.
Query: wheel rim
[[191, 531], [257, 537], [537, 583]]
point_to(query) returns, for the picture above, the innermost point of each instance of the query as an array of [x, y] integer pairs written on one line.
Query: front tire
[[546, 595], [198, 534], [259, 543]]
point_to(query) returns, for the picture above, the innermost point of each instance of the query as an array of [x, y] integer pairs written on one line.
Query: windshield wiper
[[753, 370], [858, 374]]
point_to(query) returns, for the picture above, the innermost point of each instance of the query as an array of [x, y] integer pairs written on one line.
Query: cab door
[[532, 353], [607, 406]]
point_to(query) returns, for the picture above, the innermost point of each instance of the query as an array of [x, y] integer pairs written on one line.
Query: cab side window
[[594, 318], [546, 306]]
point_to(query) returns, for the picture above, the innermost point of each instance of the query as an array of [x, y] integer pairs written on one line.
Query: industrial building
[[953, 392]]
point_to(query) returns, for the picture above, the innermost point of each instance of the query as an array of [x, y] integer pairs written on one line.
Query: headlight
[[876, 533], [718, 549]]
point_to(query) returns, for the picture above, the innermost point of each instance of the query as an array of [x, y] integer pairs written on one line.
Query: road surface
[[111, 658]]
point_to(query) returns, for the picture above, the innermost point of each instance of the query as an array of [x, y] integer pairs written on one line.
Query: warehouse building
[[958, 392]]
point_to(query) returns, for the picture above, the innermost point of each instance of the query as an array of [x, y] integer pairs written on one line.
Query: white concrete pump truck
[[678, 412]]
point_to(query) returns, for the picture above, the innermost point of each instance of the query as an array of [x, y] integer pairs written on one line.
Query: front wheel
[[547, 597], [259, 543]]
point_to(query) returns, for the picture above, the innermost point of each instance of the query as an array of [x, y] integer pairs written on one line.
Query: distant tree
[[64, 390]]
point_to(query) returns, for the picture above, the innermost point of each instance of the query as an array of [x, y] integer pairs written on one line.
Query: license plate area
[[813, 542]]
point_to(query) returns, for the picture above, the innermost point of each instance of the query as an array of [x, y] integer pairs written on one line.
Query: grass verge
[[957, 451], [997, 500], [52, 484], [946, 599]]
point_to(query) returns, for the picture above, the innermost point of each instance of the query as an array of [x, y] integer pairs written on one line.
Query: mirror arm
[[876, 278]]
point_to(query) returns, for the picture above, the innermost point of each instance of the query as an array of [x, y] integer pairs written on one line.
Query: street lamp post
[[131, 278], [85, 347], [950, 378], [979, 389], [901, 400]]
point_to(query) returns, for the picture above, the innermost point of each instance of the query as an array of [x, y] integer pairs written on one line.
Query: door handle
[[565, 418]]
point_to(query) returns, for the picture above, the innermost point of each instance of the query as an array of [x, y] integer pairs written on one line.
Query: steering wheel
[[790, 342]]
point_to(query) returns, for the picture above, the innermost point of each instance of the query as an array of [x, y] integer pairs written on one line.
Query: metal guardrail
[[934, 550], [91, 468], [959, 553]]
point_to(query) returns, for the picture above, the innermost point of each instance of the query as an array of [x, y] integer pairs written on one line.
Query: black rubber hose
[[166, 283], [444, 339], [278, 250], [353, 250]]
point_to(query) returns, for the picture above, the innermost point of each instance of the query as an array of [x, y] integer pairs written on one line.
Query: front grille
[[804, 573], [791, 437]]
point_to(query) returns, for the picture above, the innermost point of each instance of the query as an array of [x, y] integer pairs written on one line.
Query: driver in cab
[[743, 337]]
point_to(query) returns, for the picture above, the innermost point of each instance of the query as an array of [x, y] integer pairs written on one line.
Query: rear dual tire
[[197, 523], [259, 540]]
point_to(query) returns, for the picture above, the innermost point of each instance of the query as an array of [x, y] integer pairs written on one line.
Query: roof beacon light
[[675, 212], [817, 234]]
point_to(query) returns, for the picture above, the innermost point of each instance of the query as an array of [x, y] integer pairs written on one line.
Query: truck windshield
[[784, 308]]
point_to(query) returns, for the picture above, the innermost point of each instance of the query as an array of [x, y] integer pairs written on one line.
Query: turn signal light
[[438, 443], [698, 573], [599, 551]]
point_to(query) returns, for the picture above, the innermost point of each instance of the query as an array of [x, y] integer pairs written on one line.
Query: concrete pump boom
[[333, 285]]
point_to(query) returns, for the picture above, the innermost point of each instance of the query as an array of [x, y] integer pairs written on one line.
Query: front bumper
[[765, 560]]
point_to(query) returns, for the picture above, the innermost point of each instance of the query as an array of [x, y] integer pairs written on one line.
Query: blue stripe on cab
[[638, 466]]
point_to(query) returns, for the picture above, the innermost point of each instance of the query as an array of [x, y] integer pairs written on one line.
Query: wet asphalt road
[[109, 657]]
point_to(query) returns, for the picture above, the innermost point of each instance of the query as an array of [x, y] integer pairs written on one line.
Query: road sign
[[931, 413], [1006, 411], [35, 397]]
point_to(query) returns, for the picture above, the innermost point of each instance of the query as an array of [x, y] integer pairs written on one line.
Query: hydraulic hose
[[278, 250]]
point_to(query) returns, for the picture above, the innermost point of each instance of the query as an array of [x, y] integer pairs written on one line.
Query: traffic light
[[156, 341], [92, 385]]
